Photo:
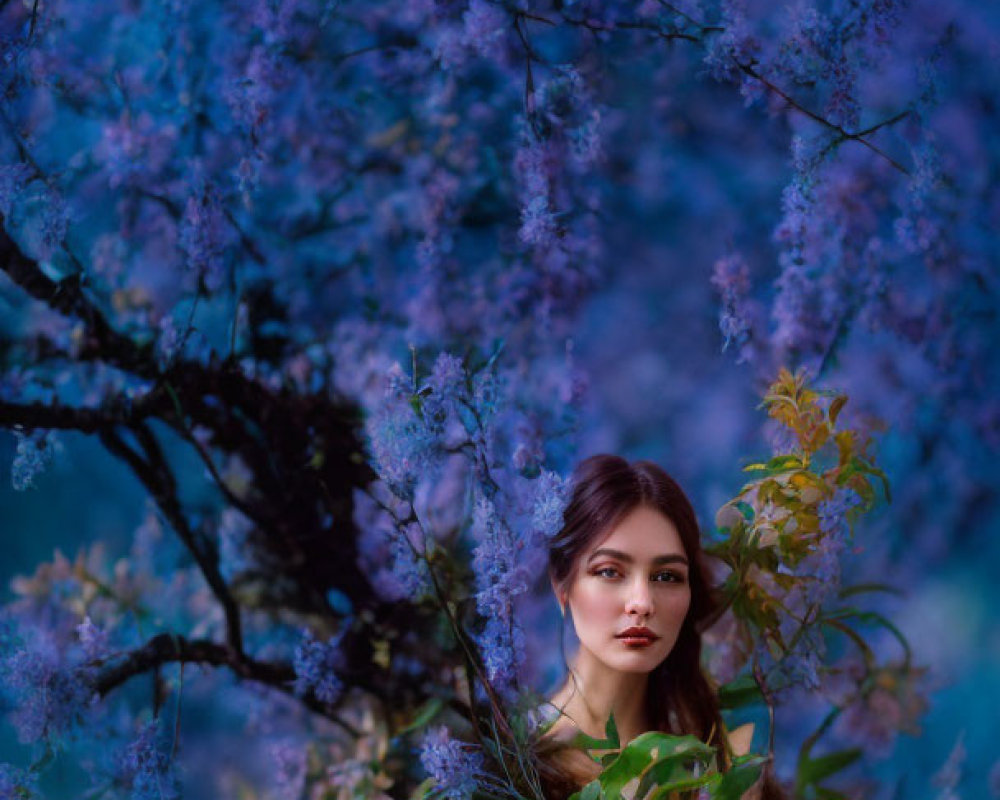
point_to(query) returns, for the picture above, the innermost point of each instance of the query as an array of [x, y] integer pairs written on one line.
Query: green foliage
[[795, 512], [661, 764]]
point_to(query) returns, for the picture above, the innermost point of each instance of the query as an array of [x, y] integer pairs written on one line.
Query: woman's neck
[[597, 692]]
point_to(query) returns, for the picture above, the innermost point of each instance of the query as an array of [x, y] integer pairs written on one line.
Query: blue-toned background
[[651, 206]]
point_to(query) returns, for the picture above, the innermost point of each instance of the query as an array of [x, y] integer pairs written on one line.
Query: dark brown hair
[[607, 488]]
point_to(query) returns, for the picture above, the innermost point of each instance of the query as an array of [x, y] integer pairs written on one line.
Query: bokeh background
[[654, 233]]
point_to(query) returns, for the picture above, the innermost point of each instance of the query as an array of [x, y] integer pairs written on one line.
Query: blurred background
[[710, 232]]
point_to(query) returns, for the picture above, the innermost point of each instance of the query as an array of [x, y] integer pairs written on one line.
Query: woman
[[627, 567]]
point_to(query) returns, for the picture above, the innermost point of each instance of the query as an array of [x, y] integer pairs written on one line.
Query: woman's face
[[637, 577]]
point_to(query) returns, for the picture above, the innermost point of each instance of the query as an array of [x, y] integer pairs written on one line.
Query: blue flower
[[290, 774], [456, 767], [33, 455], [314, 665], [16, 783], [204, 235], [502, 647], [551, 497], [94, 640], [145, 768], [48, 696], [834, 514]]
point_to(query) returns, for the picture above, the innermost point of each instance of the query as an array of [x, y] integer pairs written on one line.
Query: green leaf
[[868, 588], [813, 770], [877, 619], [683, 785], [423, 789], [426, 713], [664, 771], [628, 765], [585, 742], [778, 464], [739, 692], [611, 731], [740, 778], [591, 791], [671, 754], [835, 407]]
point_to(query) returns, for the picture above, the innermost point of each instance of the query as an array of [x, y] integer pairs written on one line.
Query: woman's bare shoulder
[[741, 739]]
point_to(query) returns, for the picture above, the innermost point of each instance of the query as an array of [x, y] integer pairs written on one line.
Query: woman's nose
[[639, 600]]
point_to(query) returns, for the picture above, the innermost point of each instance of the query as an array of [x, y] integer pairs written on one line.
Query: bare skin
[[636, 576], [587, 704]]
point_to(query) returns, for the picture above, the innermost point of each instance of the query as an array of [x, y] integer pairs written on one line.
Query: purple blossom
[[873, 719], [882, 17], [47, 693], [13, 178], [169, 342], [501, 644], [551, 497], [499, 577], [842, 107], [538, 222], [315, 663], [533, 164], [145, 767], [33, 455], [17, 783], [290, 769], [401, 445], [94, 640], [737, 44], [408, 563], [134, 146], [835, 513], [732, 279], [527, 458], [407, 444], [204, 236], [485, 25], [442, 392], [456, 767]]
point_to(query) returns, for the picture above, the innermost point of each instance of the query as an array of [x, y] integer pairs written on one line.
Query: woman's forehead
[[642, 534]]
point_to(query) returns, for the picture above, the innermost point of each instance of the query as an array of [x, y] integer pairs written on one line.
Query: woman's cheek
[[595, 603]]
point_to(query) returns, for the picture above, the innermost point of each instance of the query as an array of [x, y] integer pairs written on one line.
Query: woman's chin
[[636, 661]]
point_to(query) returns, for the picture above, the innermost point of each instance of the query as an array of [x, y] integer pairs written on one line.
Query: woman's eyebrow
[[672, 558]]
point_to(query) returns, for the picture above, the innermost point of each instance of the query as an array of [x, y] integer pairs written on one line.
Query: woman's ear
[[560, 596]]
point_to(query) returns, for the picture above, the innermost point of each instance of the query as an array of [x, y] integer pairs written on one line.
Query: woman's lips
[[637, 641], [637, 637]]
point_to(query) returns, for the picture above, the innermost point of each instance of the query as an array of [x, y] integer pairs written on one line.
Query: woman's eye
[[669, 577], [606, 572]]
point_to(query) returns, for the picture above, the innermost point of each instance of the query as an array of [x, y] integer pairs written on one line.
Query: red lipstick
[[641, 637]]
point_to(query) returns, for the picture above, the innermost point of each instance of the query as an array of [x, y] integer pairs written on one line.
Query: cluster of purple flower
[[47, 689], [315, 665], [17, 783], [33, 455], [145, 767], [456, 767]]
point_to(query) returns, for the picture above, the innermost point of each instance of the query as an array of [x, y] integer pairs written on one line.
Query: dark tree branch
[[67, 297], [155, 475], [748, 69], [121, 411], [166, 648], [842, 134]]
